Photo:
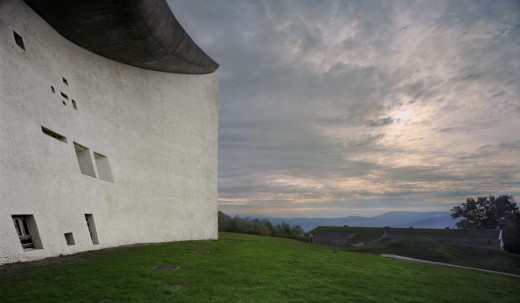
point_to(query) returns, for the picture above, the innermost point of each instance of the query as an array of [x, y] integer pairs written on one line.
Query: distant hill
[[435, 219]]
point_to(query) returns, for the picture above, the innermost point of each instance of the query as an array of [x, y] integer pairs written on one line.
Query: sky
[[335, 108]]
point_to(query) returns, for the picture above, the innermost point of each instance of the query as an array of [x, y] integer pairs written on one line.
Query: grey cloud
[[420, 173], [513, 145], [310, 89], [381, 122]]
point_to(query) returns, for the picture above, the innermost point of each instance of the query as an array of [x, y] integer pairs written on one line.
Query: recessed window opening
[[69, 238], [22, 229], [53, 90], [53, 134], [84, 160], [65, 81], [91, 225], [27, 231], [19, 40], [103, 167], [74, 104], [64, 96], [64, 103]]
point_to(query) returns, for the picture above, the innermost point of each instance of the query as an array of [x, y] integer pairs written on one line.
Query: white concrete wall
[[158, 131]]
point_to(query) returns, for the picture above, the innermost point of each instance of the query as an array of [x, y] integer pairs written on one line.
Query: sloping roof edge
[[141, 33]]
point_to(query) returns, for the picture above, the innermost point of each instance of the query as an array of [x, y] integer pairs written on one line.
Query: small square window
[[84, 160], [69, 238], [19, 40], [103, 167]]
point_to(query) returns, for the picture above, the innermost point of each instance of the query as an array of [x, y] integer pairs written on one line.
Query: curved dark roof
[[142, 33]]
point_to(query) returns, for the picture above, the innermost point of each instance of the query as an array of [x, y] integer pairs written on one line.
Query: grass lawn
[[422, 248], [245, 268]]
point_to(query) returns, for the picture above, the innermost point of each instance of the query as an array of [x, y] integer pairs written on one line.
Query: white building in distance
[[108, 128]]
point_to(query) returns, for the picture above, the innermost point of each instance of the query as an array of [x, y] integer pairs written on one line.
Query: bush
[[258, 227]]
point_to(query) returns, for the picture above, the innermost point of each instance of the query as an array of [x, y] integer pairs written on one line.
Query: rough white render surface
[[158, 132]]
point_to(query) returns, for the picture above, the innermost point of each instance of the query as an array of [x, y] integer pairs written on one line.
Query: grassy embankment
[[418, 243], [245, 268], [421, 248]]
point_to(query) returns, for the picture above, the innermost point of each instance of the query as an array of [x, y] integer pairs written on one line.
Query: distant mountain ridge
[[433, 219]]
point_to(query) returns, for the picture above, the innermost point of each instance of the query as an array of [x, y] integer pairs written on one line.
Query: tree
[[491, 213], [261, 227], [223, 221], [296, 231], [487, 213]]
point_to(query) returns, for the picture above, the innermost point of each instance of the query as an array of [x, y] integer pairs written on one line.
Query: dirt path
[[446, 264]]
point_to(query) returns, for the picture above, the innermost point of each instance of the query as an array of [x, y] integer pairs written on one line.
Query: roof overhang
[[141, 33]]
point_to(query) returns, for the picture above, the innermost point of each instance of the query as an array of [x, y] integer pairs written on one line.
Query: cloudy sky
[[335, 108]]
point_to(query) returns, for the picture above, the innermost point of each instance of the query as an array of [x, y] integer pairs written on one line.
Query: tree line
[[262, 227], [491, 212]]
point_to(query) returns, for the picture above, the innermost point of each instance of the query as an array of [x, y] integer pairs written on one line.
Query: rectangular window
[[65, 81], [19, 40], [69, 238], [27, 231], [91, 225], [84, 160], [74, 104], [64, 96], [54, 135], [52, 89], [103, 167]]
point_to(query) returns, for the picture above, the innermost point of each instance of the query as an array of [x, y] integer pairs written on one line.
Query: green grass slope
[[245, 268], [422, 248]]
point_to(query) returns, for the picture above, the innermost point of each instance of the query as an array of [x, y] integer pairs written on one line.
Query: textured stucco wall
[[158, 131]]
